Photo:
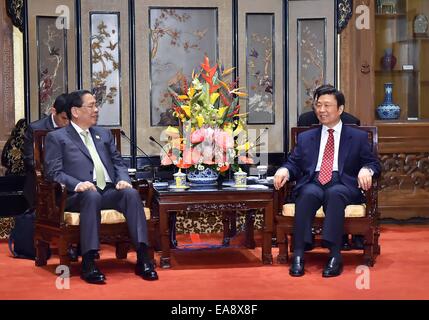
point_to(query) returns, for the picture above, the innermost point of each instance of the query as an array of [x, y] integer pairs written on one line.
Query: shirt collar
[[337, 127], [77, 128], [53, 121]]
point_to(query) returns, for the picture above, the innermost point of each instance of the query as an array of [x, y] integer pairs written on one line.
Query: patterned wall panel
[[179, 39], [311, 60], [51, 62], [260, 73], [106, 66]]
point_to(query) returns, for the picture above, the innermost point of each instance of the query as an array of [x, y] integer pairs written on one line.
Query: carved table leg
[[172, 224], [165, 238], [267, 257], [226, 221], [232, 224], [249, 227]]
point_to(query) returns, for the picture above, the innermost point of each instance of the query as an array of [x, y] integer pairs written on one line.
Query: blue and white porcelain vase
[[388, 110], [207, 176]]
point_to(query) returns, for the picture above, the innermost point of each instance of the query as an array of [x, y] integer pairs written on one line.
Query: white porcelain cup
[[240, 178], [262, 172]]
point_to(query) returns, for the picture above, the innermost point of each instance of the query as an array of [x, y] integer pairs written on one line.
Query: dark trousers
[[90, 203], [334, 197]]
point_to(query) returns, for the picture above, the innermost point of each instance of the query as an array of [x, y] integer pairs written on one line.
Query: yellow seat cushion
[[352, 211], [109, 216]]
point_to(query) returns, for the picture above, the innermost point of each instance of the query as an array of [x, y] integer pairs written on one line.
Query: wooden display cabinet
[[410, 74]]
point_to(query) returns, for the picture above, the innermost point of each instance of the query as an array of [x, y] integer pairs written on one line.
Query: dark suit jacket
[[67, 160], [354, 153], [309, 118], [30, 181]]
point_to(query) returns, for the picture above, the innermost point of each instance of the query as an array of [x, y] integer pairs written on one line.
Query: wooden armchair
[[53, 222], [359, 219]]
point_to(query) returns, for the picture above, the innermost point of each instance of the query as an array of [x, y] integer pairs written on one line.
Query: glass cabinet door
[[402, 59]]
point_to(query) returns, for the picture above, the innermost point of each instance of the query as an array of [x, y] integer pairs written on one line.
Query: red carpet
[[235, 273]]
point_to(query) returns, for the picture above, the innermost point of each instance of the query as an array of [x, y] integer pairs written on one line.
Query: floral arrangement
[[211, 131]]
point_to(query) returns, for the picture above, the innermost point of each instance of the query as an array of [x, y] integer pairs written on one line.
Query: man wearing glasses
[[84, 158]]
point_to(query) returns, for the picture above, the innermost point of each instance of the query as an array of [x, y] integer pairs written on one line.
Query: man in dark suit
[[84, 158], [331, 164], [57, 119], [308, 119]]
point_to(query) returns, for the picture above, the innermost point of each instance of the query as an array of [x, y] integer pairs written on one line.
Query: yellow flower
[[200, 120], [172, 131], [213, 98], [239, 129], [228, 128], [187, 110], [245, 146], [221, 111], [183, 97], [191, 92]]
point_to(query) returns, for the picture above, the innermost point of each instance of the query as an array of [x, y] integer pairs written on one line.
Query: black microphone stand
[[134, 145]]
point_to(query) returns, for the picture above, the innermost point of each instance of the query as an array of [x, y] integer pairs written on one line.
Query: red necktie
[[325, 173]]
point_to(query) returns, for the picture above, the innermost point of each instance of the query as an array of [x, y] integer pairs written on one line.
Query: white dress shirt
[[324, 139]]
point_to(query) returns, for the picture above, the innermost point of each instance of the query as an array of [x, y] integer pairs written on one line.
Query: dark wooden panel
[[357, 67], [404, 153], [407, 137]]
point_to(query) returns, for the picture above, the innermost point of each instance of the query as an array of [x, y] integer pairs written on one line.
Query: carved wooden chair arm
[[51, 202], [371, 199], [146, 190], [284, 193]]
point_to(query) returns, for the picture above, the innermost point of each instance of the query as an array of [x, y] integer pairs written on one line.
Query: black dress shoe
[[346, 245], [333, 268], [297, 267], [73, 254], [146, 271], [91, 274], [357, 242]]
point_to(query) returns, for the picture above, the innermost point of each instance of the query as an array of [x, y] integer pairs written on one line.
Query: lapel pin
[[97, 137]]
